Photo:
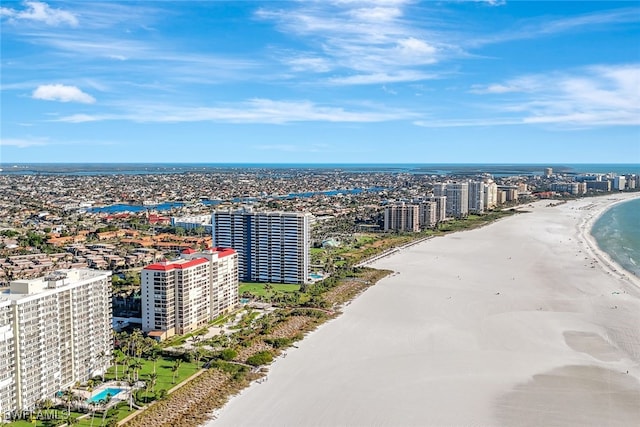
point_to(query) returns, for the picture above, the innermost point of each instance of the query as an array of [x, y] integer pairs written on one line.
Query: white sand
[[515, 324]]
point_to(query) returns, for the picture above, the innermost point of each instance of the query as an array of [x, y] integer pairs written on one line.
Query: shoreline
[[607, 261], [446, 331]]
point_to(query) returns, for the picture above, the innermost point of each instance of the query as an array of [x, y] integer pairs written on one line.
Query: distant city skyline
[[320, 82]]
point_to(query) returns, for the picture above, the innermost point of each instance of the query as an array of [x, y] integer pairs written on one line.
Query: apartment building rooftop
[[51, 283], [179, 263]]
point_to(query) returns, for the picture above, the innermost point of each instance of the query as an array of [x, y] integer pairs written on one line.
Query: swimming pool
[[316, 276], [111, 391]]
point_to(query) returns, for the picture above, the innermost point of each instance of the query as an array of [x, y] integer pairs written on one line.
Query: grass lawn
[[59, 413], [123, 412], [364, 239], [163, 369], [258, 289]]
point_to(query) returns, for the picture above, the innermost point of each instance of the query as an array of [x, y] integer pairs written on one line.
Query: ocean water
[[91, 169], [617, 232]]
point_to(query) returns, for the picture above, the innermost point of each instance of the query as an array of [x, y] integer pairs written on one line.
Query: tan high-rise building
[[490, 195], [510, 193], [441, 207], [428, 214], [54, 331], [183, 295], [402, 217]]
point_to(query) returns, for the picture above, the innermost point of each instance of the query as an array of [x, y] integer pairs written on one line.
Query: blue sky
[[320, 81]]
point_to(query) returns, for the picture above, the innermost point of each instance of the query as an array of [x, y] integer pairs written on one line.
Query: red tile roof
[[223, 252], [171, 265]]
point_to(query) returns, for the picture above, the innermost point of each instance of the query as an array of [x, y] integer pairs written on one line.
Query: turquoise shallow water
[[617, 232]]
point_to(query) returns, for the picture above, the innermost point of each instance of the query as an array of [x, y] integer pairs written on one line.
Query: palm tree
[[47, 404], [174, 369], [153, 379], [197, 355], [71, 420], [154, 358], [147, 389], [115, 358], [136, 365], [102, 356], [131, 384], [126, 366], [93, 406], [135, 343], [68, 396]]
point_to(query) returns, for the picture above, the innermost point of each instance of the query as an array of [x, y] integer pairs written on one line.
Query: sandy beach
[[520, 323]]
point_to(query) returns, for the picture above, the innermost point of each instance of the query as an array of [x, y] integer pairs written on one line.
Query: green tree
[[174, 370], [154, 356], [153, 379]]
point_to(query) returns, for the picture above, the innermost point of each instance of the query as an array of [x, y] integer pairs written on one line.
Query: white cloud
[[388, 90], [588, 97], [40, 12], [62, 93], [252, 111], [545, 26], [376, 14], [315, 64], [492, 88], [381, 78], [494, 2], [359, 42], [82, 118], [413, 46], [22, 143]]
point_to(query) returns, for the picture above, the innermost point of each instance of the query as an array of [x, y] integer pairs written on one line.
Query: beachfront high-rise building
[[440, 189], [8, 392], [224, 277], [428, 214], [402, 217], [619, 183], [182, 295], [509, 193], [574, 188], [54, 331], [548, 172], [271, 246], [599, 185], [476, 196], [457, 199], [490, 194], [175, 296], [441, 207]]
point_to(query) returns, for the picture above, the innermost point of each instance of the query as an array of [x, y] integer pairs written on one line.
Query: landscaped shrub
[[260, 358], [228, 354]]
